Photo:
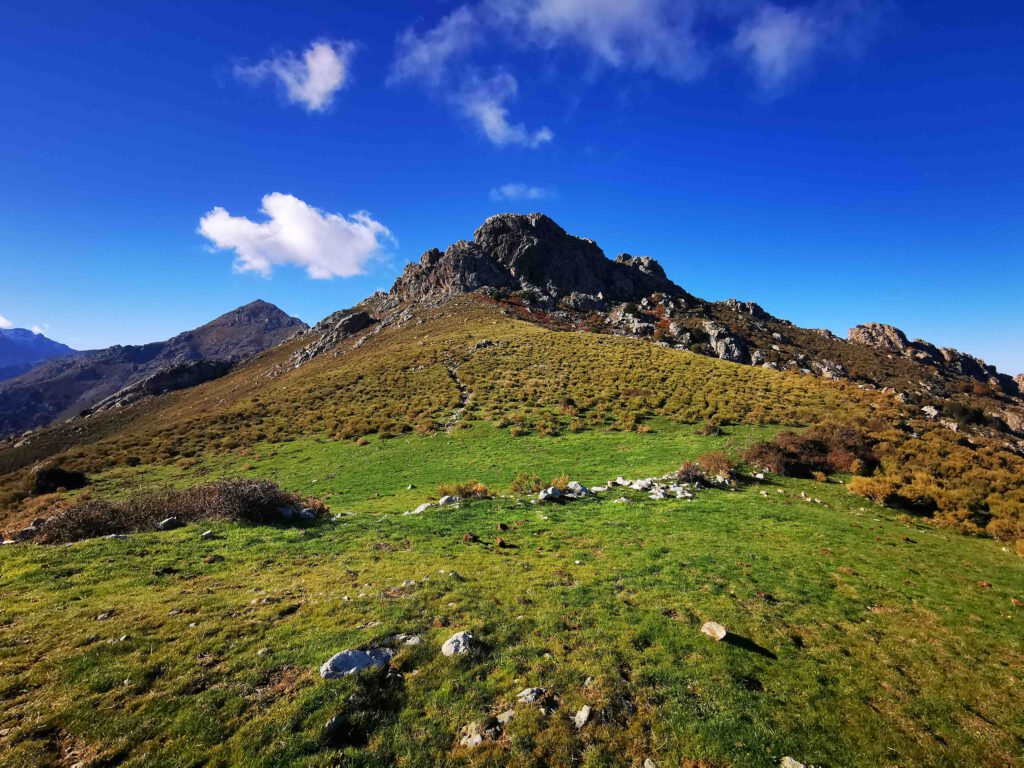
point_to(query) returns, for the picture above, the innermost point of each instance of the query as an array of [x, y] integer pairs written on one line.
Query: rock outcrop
[[176, 377], [331, 331], [512, 252], [949, 362]]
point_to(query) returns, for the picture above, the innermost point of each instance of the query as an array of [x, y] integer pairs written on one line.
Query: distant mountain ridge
[[65, 387], [22, 349]]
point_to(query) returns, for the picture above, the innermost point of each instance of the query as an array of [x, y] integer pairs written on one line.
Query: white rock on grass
[[550, 494], [789, 762], [168, 524], [420, 509], [352, 661], [582, 716], [505, 716], [445, 501], [404, 639], [460, 642], [530, 695], [577, 489], [714, 630]]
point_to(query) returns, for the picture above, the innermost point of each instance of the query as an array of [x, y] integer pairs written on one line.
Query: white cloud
[[326, 245], [39, 329], [311, 81], [515, 191], [425, 57], [5, 323], [483, 101], [653, 35], [780, 42], [678, 39]]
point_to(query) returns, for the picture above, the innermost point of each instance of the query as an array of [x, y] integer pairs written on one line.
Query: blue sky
[[838, 162]]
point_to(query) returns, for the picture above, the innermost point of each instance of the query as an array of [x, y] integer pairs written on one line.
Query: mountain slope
[[63, 388], [21, 349], [549, 359]]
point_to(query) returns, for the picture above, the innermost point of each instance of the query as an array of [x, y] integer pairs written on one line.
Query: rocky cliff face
[[531, 253], [60, 389]]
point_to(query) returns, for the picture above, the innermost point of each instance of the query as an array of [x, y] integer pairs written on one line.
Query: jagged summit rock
[[531, 252]]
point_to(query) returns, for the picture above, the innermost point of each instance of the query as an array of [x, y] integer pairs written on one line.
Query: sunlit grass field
[[858, 638]]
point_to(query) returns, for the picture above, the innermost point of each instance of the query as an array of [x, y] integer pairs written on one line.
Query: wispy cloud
[[326, 245], [425, 57], [483, 101], [516, 191], [5, 323], [780, 43], [40, 329], [652, 35], [310, 81], [682, 40]]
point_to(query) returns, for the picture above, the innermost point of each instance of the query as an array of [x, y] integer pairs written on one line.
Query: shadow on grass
[[738, 641]]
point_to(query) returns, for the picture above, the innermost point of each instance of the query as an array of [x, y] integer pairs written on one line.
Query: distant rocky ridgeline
[[120, 375], [21, 350]]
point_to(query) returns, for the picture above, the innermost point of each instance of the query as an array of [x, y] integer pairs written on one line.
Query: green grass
[[877, 646], [373, 477]]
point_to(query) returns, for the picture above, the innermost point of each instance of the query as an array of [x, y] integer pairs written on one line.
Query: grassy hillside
[[469, 361], [858, 640]]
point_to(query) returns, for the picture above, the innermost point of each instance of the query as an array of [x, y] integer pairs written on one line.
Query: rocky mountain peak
[[511, 252]]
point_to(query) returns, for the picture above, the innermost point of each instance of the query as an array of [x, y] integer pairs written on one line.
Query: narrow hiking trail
[[465, 396]]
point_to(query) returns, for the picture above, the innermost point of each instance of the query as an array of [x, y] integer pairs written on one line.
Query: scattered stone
[[404, 639], [420, 509], [169, 524], [582, 716], [789, 762], [506, 716], [577, 490], [621, 500], [104, 616], [648, 763], [550, 494], [930, 411], [446, 501], [410, 487], [714, 630], [352, 661], [475, 734], [206, 535], [459, 643], [530, 695]]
